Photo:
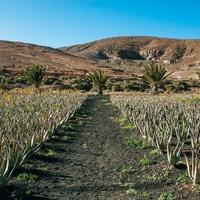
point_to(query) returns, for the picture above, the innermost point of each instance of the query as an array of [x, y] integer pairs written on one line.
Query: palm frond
[[154, 73], [35, 74], [99, 78]]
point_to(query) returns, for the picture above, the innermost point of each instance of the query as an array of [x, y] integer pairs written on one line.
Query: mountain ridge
[[179, 55], [119, 56]]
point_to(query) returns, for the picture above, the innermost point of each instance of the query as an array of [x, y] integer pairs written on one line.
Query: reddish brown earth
[[96, 164], [131, 53], [15, 56], [120, 56]]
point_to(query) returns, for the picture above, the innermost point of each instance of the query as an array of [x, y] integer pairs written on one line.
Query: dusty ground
[[94, 163], [118, 56]]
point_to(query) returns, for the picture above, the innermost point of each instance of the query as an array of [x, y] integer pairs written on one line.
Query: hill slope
[[15, 56], [130, 53], [119, 56]]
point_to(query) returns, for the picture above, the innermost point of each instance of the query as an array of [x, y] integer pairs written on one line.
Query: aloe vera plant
[[194, 168], [162, 117], [160, 141], [174, 152], [27, 121]]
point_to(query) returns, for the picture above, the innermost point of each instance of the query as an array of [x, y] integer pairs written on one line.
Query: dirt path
[[98, 154], [90, 161]]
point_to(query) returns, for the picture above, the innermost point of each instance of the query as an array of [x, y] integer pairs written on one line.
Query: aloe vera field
[[58, 145]]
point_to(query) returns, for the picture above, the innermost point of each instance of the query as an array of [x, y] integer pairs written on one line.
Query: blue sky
[[59, 23]]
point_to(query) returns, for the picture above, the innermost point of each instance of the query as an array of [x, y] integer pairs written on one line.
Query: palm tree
[[35, 75], [155, 75], [99, 79]]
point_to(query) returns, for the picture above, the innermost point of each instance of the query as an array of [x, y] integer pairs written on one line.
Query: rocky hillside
[[129, 54], [119, 56], [15, 56]]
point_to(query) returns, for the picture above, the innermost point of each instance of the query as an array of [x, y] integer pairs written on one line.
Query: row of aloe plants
[[167, 122], [26, 122]]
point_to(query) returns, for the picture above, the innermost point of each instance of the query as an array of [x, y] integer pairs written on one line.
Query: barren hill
[[129, 54], [119, 56], [15, 56]]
